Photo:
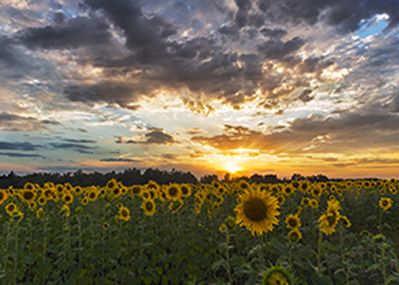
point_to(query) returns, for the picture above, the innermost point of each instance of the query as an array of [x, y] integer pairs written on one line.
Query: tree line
[[138, 176]]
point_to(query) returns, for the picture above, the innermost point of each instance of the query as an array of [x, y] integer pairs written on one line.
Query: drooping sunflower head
[[257, 211], [277, 275]]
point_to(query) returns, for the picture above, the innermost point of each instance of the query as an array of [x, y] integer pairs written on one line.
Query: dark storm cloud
[[23, 146], [144, 34], [13, 122], [80, 148], [201, 64], [110, 92], [77, 32], [277, 49], [342, 14], [21, 155]]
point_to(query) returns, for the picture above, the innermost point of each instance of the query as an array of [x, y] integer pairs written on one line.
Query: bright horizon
[[200, 86]]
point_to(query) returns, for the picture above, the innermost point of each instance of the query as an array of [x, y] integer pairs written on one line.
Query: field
[[300, 232]]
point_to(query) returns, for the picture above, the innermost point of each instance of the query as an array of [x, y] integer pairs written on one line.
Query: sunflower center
[[331, 218], [255, 209], [172, 191], [292, 222], [28, 195], [148, 206]]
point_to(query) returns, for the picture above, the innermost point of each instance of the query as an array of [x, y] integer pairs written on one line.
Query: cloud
[[119, 159], [345, 16], [77, 32], [14, 122], [154, 136], [277, 49], [21, 155], [80, 148], [80, 141], [121, 93], [23, 146]]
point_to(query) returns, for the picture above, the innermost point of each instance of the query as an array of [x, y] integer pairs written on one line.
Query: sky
[[208, 86]]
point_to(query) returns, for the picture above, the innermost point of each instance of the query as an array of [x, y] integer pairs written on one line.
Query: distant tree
[[209, 178]]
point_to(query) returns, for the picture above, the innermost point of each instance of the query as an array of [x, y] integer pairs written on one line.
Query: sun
[[232, 167]]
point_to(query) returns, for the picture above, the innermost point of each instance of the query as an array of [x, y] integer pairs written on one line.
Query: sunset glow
[[199, 86]]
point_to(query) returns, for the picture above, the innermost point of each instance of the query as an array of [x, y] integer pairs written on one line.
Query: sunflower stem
[[319, 253]]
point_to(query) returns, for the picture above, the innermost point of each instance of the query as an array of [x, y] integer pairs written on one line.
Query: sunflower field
[[300, 232]]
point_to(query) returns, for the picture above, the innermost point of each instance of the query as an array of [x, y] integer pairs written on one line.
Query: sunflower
[[149, 207], [385, 203], [317, 191], [29, 186], [42, 200], [77, 190], [243, 185], [277, 275], [288, 190], [105, 226], [92, 196], [328, 222], [27, 195], [295, 235], [257, 211], [84, 201], [173, 192], [305, 201], [135, 190], [67, 198], [124, 214], [313, 203], [293, 221], [11, 208], [3, 196], [223, 228], [186, 190], [59, 188], [111, 184], [152, 185]]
